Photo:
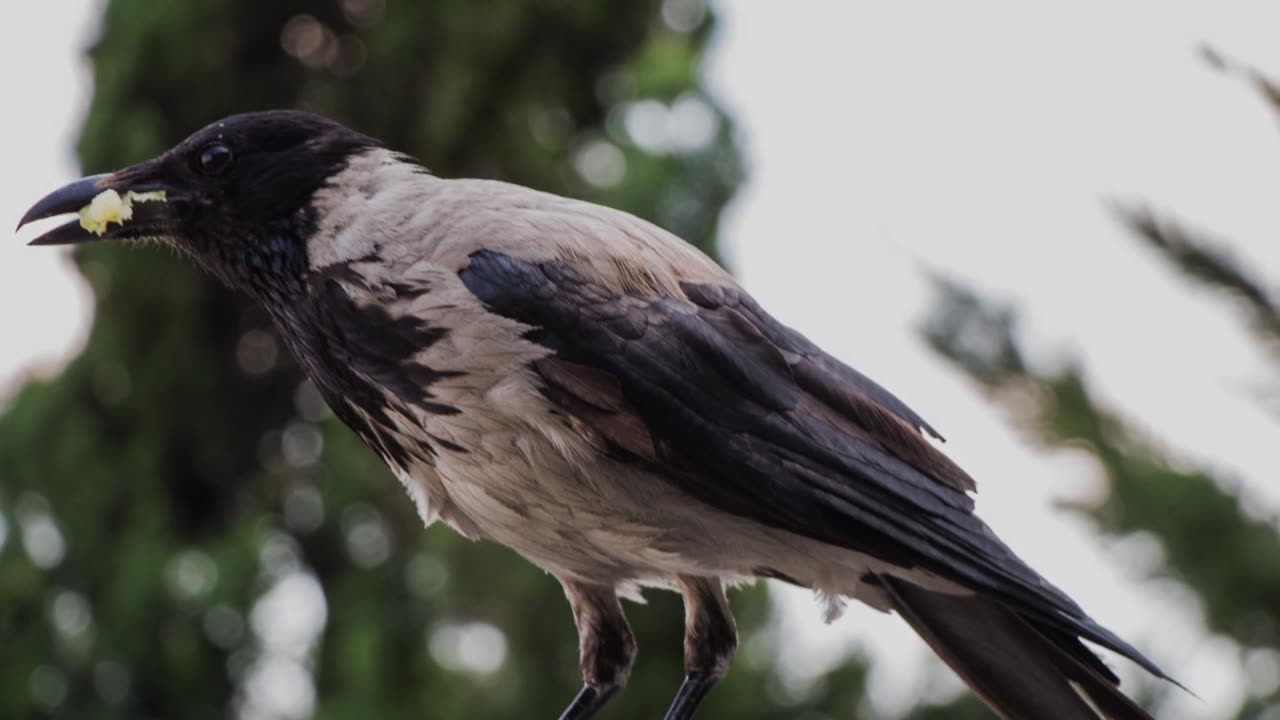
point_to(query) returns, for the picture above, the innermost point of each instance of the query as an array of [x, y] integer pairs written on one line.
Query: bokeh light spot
[[48, 686], [70, 614], [192, 575], [112, 681], [690, 124], [551, 127], [224, 626], [363, 13], [600, 163], [349, 58], [368, 538], [280, 688], [256, 353], [474, 647], [302, 444], [303, 508], [310, 41], [684, 15], [41, 537], [278, 555], [425, 575], [1262, 672], [288, 618], [309, 403]]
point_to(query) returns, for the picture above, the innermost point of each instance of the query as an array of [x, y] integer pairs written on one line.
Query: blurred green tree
[[1236, 575], [201, 538]]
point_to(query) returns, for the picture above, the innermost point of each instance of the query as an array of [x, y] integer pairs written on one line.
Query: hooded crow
[[591, 391]]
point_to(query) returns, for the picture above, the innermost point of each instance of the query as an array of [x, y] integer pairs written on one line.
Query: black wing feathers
[[822, 375], [713, 385], [1020, 668], [749, 417]]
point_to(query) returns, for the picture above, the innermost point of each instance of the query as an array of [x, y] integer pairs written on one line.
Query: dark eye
[[215, 158]]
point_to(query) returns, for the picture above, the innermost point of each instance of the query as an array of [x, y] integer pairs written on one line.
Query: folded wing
[[748, 416]]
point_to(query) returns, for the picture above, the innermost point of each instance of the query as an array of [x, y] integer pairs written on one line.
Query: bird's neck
[[270, 265]]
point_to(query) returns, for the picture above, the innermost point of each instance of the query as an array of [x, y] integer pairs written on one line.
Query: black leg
[[695, 687], [588, 702], [607, 649]]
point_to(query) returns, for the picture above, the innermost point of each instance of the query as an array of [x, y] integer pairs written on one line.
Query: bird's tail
[[1022, 668]]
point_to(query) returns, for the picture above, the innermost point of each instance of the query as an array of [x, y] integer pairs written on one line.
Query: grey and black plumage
[[589, 390]]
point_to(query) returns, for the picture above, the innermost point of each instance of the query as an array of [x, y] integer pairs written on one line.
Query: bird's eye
[[215, 158]]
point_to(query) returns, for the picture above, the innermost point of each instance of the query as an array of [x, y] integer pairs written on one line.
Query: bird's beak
[[118, 217]]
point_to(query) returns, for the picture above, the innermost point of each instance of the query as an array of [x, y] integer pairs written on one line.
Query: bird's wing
[[748, 416]]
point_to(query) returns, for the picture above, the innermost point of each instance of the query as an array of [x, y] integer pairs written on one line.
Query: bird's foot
[[588, 702], [695, 687]]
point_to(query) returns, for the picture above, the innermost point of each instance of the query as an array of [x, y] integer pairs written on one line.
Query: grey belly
[[553, 496]]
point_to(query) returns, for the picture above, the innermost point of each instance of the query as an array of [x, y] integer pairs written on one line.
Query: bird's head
[[235, 195]]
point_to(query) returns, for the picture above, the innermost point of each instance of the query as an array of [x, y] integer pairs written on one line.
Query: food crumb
[[109, 207]]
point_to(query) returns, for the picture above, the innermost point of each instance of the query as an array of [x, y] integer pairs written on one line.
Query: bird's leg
[[710, 639], [607, 647]]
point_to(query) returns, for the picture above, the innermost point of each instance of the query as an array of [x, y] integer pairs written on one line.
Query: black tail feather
[[1022, 670]]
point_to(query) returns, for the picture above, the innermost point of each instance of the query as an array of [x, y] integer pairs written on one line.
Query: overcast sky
[[982, 140]]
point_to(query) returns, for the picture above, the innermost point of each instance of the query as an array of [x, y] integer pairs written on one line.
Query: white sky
[[981, 140], [44, 307]]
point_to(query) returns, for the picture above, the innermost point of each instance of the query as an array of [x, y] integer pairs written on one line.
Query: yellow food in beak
[[109, 207]]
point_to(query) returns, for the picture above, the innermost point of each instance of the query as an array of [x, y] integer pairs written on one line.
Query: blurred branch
[[1269, 89], [1210, 542], [1206, 262], [975, 333]]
